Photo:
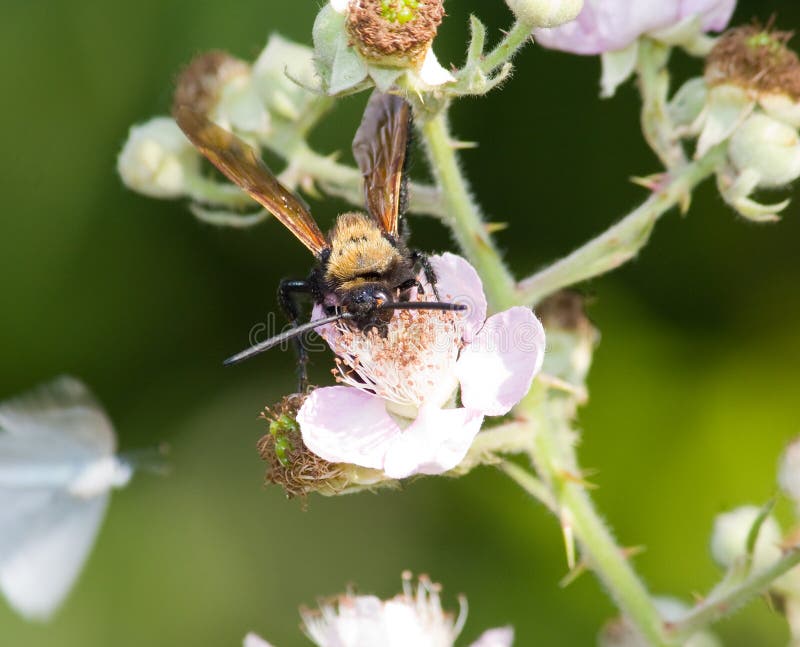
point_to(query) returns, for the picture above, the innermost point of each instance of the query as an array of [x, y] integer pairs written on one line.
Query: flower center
[[399, 11], [409, 363]]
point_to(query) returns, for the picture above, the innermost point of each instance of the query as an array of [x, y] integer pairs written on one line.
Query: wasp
[[364, 269]]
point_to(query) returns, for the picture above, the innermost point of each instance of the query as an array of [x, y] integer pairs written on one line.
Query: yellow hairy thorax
[[358, 248]]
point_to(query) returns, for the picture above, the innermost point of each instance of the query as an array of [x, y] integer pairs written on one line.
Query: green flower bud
[[730, 535], [157, 159], [545, 13], [768, 147]]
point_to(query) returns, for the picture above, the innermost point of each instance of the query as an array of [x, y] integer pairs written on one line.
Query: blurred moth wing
[[57, 467], [240, 163]]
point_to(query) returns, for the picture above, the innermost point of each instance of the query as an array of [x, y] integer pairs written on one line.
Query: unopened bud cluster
[[748, 97]]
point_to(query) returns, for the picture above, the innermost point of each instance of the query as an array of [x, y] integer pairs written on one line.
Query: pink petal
[[608, 25], [715, 13], [497, 637], [458, 281], [344, 425], [496, 370], [435, 442]]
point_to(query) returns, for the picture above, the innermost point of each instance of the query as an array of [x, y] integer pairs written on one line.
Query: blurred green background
[[694, 389]]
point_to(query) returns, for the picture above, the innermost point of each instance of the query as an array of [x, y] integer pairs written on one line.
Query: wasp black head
[[364, 303]]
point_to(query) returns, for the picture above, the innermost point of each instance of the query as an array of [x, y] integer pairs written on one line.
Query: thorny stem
[[555, 460], [463, 215], [725, 599], [504, 51], [622, 241]]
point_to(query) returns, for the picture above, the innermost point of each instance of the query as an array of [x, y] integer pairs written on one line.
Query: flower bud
[[789, 471], [220, 86], [545, 13], [731, 532], [298, 470], [157, 158], [282, 75], [768, 147], [571, 337]]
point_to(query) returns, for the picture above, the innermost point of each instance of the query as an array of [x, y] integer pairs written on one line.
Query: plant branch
[[622, 241], [556, 463], [463, 215], [725, 599]]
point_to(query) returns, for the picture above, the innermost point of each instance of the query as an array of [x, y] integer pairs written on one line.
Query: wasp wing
[[242, 166], [380, 148]]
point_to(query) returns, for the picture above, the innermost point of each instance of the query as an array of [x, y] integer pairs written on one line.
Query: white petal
[[345, 425], [340, 6], [432, 73], [254, 640], [497, 637], [496, 370], [434, 443]]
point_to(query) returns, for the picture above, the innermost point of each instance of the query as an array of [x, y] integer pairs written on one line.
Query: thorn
[[573, 575], [494, 227], [632, 551], [569, 542], [456, 144], [577, 478], [649, 182], [684, 202]]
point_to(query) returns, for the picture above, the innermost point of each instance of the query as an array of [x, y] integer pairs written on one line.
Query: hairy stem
[[504, 51], [463, 215], [726, 599], [556, 463], [622, 241]]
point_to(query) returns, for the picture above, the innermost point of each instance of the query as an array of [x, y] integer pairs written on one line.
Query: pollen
[[410, 362]]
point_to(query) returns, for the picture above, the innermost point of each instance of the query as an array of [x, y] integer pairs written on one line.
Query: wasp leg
[[287, 298], [430, 274]]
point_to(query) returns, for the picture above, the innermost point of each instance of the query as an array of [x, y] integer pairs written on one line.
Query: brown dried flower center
[[199, 84], [755, 58], [394, 28]]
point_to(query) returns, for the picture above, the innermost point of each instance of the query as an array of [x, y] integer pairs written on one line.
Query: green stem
[[504, 51], [554, 457], [724, 600], [346, 181], [530, 484], [464, 217], [207, 191], [651, 67], [622, 241]]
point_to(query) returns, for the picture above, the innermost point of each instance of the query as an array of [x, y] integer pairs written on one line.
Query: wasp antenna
[[423, 305], [277, 340]]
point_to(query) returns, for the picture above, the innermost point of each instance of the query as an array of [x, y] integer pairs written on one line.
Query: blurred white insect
[[57, 468]]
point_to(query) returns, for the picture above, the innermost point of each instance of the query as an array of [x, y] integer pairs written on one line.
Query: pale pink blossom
[[414, 617], [611, 25], [398, 408]]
